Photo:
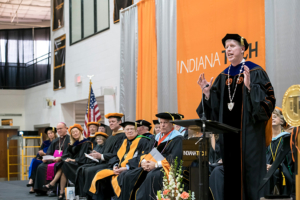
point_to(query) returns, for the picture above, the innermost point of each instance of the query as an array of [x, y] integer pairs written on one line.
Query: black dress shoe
[[29, 185], [41, 194], [48, 187], [31, 192], [52, 194], [61, 196]]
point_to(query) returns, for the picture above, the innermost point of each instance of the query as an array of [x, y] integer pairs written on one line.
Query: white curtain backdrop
[[282, 45], [128, 62], [166, 32]]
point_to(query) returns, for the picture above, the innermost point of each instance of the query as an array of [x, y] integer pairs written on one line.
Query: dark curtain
[[18, 69]]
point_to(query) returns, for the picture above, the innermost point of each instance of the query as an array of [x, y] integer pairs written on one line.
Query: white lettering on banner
[[192, 64], [190, 153]]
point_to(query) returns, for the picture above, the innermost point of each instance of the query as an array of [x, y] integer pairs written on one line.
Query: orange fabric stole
[[108, 172]]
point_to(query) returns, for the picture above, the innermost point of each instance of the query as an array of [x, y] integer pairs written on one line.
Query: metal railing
[[24, 164], [27, 75]]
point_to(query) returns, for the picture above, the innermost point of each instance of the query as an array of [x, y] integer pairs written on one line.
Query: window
[[87, 18]]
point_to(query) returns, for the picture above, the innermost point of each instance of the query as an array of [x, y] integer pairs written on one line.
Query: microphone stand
[[203, 157]]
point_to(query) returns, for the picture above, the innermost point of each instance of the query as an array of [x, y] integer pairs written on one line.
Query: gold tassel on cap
[[242, 41], [135, 125], [171, 116], [53, 129]]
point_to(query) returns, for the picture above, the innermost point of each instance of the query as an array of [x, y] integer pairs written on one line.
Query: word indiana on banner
[[201, 25]]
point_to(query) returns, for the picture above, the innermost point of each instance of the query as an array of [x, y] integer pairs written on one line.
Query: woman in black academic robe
[[58, 144], [51, 135], [108, 182], [281, 183], [100, 138], [72, 158]]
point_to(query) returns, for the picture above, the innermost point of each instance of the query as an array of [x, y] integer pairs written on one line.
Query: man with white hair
[[85, 175], [144, 182]]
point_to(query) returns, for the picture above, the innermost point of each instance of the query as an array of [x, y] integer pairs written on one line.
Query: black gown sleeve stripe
[[262, 95]]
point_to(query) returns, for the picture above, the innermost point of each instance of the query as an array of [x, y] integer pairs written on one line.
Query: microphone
[[203, 114]]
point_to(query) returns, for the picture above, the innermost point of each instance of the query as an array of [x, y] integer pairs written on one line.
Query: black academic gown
[[81, 169], [128, 155], [86, 173], [41, 172], [286, 167], [149, 135], [75, 151], [93, 140], [142, 185], [243, 154]]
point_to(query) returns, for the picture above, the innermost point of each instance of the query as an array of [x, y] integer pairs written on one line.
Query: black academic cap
[[155, 122], [144, 123], [178, 116], [124, 124], [101, 124], [236, 37], [50, 128], [165, 115]]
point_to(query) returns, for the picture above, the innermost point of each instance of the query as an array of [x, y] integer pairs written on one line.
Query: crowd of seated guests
[[121, 170], [120, 158]]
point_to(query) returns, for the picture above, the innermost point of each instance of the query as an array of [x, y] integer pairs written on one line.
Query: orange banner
[[146, 100], [201, 25]]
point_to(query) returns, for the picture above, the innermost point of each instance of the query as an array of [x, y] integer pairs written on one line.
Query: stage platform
[[12, 190]]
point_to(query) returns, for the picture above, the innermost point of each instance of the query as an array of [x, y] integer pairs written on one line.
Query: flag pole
[[90, 76], [89, 100]]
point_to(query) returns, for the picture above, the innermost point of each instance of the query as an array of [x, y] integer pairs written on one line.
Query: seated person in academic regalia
[[144, 128], [144, 182], [214, 152], [108, 182], [156, 127], [93, 127], [45, 171], [281, 183], [85, 175], [182, 130], [51, 135], [100, 138], [73, 157], [102, 128]]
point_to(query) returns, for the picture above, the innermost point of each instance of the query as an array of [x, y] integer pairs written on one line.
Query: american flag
[[92, 112]]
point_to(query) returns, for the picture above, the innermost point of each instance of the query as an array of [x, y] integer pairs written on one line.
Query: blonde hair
[[72, 140]]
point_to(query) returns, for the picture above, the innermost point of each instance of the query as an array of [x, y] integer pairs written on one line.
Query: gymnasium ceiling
[[15, 14]]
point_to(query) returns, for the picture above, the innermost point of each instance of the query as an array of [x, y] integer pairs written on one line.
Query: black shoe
[[30, 185], [52, 194], [31, 192], [41, 194], [48, 187], [61, 196]]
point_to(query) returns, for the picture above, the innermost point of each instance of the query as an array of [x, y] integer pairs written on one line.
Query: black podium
[[205, 126]]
